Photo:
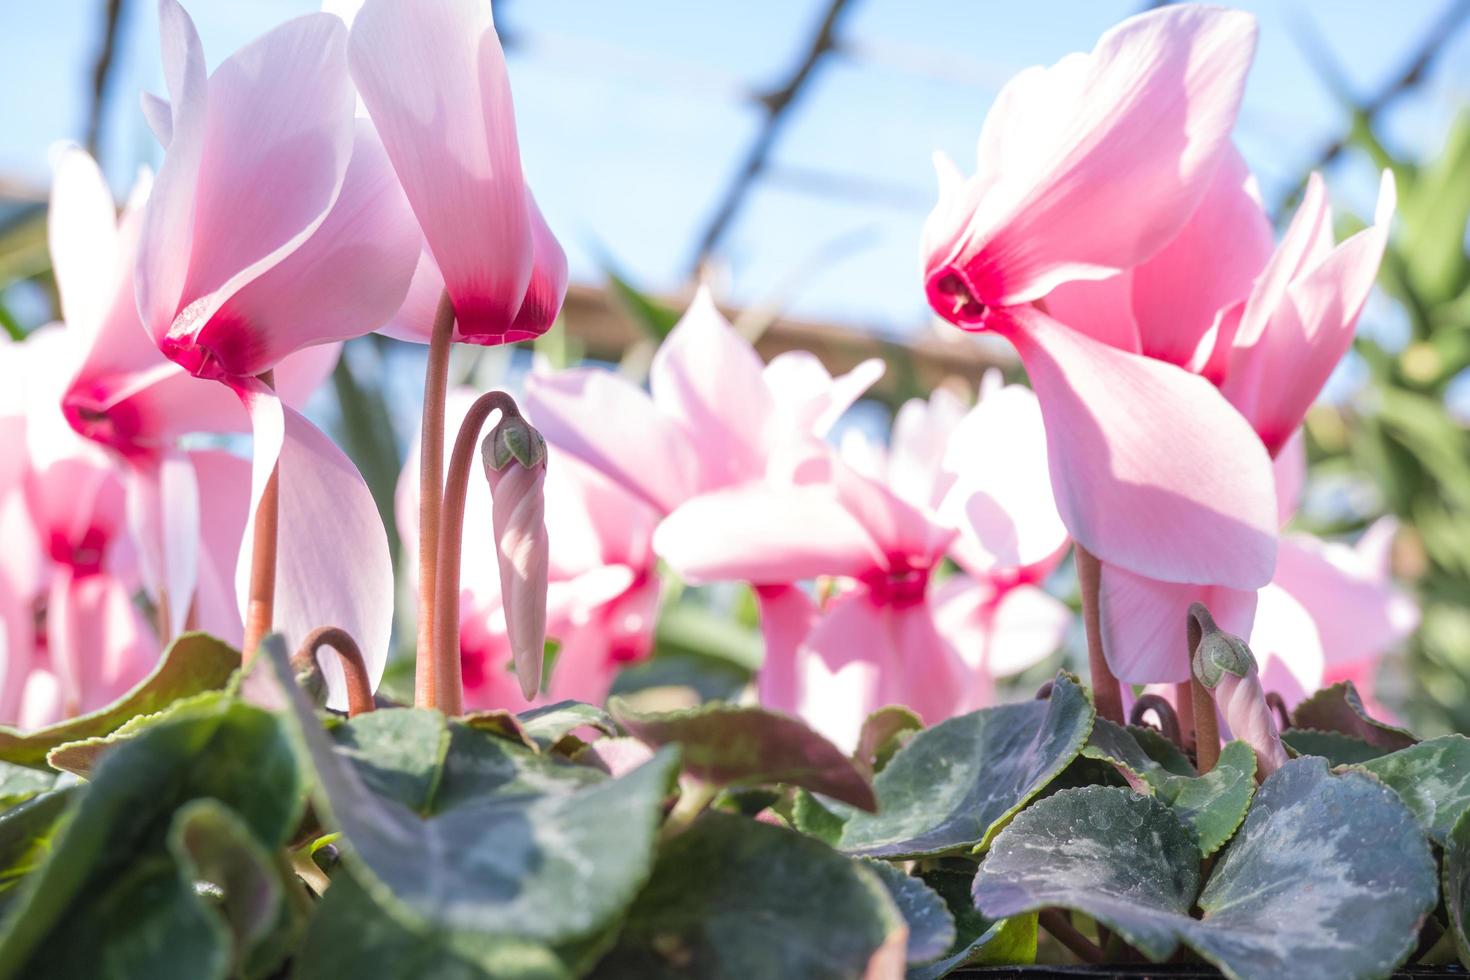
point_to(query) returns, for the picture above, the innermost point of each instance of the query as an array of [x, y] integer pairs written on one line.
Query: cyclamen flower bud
[[1225, 665], [515, 464]]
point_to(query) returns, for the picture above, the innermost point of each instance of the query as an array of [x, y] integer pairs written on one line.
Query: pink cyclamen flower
[[71, 639], [433, 77], [275, 224], [881, 525], [515, 467], [1153, 469], [602, 591], [119, 392]]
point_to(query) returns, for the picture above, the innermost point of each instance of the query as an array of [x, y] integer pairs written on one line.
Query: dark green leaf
[[549, 724], [212, 845], [729, 745], [811, 817], [499, 721], [931, 927], [884, 732], [26, 831], [1432, 778], [1124, 859], [955, 785], [193, 663], [1339, 709], [549, 868], [1329, 877], [21, 783], [1457, 884], [732, 897], [232, 752], [80, 758], [979, 941], [351, 936], [1338, 749]]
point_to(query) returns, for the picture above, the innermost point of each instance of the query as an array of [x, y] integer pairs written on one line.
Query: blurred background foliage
[[1392, 437]]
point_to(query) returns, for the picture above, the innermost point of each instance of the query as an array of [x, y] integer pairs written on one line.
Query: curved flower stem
[[1106, 693], [448, 683], [431, 475], [1163, 711], [261, 605], [354, 668], [1055, 922], [1206, 722], [1184, 704]]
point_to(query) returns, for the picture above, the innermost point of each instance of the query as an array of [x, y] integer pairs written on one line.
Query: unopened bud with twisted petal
[[1224, 664], [515, 464]]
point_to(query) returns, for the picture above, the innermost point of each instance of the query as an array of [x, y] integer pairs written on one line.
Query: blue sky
[[635, 114]]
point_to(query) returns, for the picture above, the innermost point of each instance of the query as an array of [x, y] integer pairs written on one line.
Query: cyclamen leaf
[[80, 758], [1338, 749], [225, 750], [1212, 805], [733, 897], [352, 936], [1339, 709], [884, 732], [728, 745], [979, 941], [1432, 778], [548, 869], [931, 927], [193, 663], [1329, 877], [955, 785], [212, 845], [1457, 884], [20, 783], [550, 724]]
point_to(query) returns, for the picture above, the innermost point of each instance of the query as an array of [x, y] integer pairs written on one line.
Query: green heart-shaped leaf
[[1329, 877], [550, 724], [1212, 805], [979, 941], [547, 867], [955, 785], [221, 749], [930, 924], [21, 783], [732, 745], [1338, 749], [1457, 884], [1432, 778], [193, 663], [733, 897], [1339, 709]]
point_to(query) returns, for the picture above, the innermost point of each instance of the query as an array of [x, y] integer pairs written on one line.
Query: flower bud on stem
[[1225, 671], [431, 485], [261, 602], [1106, 693]]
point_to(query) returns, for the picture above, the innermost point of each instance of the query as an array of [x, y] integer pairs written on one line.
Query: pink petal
[[708, 379], [1100, 308], [332, 563], [1002, 497], [1286, 643], [598, 522], [17, 650], [1094, 165], [1143, 623], [1153, 471], [414, 321], [224, 511], [921, 435], [345, 280], [1290, 467], [1242, 701], [1208, 266], [808, 400], [97, 643], [82, 233], [787, 614], [255, 165], [434, 80], [767, 534], [1276, 377], [903, 533], [1359, 613], [548, 286], [612, 426], [163, 517]]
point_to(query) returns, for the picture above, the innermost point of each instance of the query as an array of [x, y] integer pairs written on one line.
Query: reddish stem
[[1163, 711], [1106, 694], [449, 685], [1206, 722], [1184, 704], [261, 603], [431, 475], [354, 668], [1054, 922], [1278, 704]]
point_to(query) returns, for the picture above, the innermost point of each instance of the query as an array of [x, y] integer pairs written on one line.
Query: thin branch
[[102, 73], [777, 104]]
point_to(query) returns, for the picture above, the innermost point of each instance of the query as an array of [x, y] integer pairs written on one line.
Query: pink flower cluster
[[327, 181]]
